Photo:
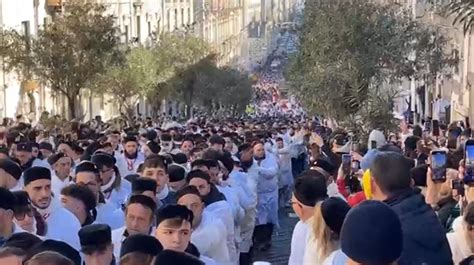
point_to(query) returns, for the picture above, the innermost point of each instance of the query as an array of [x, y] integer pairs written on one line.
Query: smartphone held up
[[469, 162], [438, 166]]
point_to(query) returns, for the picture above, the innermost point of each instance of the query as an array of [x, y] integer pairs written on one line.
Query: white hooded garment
[[210, 237]]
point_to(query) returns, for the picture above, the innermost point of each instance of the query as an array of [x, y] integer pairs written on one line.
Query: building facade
[[221, 23], [25, 16], [140, 21], [454, 88]]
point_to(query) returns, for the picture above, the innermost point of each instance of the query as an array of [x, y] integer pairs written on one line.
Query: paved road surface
[[279, 253]]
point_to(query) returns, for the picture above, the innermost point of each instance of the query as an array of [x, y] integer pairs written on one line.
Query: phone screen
[[469, 164], [346, 163], [438, 165]]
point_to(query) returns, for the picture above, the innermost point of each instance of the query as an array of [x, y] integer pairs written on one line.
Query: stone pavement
[[279, 253]]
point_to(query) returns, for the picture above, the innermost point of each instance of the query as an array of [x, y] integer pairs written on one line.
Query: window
[[25, 26], [176, 18], [45, 22], [189, 16], [168, 18], [139, 28], [149, 28], [126, 34], [182, 16]]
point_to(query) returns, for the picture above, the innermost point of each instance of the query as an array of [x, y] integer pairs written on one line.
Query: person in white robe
[[139, 217], [58, 219], [267, 188], [209, 234], [174, 230], [285, 172], [24, 154], [87, 174], [248, 181], [216, 204], [60, 176], [131, 158], [115, 189]]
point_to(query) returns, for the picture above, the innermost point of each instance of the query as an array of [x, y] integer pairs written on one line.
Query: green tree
[[463, 11], [349, 52], [15, 50], [68, 53], [182, 58], [130, 81], [233, 91]]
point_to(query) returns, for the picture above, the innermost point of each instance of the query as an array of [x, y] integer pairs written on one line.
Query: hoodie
[[424, 239]]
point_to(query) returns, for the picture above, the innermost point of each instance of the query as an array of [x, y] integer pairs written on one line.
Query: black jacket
[[424, 239]]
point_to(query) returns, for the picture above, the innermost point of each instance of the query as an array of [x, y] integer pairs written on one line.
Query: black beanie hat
[[86, 166], [24, 240], [310, 188], [154, 147], [7, 199], [36, 173], [372, 234], [174, 212], [176, 258], [140, 185], [141, 243], [176, 173], [180, 158], [95, 235], [325, 165], [129, 138], [58, 247], [334, 211], [165, 137], [103, 159], [11, 168], [55, 158], [24, 147], [143, 200], [46, 146], [151, 135]]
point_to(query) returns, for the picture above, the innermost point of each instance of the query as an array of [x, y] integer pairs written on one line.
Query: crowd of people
[[205, 191], [209, 192], [406, 199]]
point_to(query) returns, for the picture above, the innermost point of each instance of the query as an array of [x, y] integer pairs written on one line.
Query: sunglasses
[[20, 214]]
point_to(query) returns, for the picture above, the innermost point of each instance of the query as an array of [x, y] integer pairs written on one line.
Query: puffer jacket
[[424, 239]]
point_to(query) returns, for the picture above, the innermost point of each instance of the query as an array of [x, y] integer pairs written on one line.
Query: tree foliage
[[130, 81], [350, 50], [463, 11], [189, 73], [69, 52]]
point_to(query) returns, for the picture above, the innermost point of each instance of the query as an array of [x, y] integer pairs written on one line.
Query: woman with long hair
[[323, 246]]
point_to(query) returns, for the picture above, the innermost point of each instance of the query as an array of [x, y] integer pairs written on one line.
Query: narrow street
[[279, 253]]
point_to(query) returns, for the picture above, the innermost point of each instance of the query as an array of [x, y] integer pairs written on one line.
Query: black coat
[[424, 239]]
